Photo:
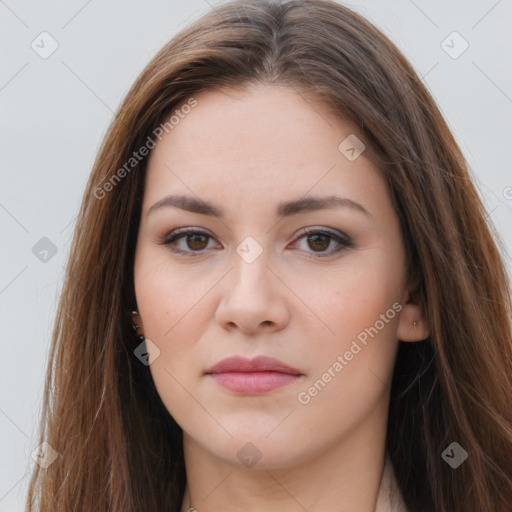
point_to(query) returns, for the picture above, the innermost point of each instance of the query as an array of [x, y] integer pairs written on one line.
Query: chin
[[259, 451]]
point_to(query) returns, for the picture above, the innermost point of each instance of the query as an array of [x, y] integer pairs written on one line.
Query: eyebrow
[[284, 209]]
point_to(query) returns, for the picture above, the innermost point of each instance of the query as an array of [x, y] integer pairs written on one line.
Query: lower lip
[[253, 382]]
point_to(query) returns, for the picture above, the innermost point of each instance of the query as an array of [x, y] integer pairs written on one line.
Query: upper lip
[[257, 364]]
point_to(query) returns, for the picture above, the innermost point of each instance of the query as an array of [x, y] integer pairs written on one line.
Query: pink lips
[[252, 376]]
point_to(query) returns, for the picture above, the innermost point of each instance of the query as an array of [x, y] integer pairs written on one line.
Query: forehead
[[261, 139], [258, 121]]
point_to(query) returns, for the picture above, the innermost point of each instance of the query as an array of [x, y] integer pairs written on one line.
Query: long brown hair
[[119, 448]]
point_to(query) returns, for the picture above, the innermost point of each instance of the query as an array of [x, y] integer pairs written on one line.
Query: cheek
[[174, 315], [352, 299], [350, 370], [169, 297], [174, 302], [363, 334], [361, 309]]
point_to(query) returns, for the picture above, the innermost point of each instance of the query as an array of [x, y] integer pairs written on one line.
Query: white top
[[389, 498]]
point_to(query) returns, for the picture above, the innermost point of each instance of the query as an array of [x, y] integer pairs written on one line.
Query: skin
[[246, 151]]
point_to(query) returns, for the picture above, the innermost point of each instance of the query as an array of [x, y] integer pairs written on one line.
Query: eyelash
[[180, 233]]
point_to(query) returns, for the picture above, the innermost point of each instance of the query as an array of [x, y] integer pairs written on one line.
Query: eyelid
[[185, 231], [311, 230]]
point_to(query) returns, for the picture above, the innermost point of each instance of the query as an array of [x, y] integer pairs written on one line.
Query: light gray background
[[55, 111]]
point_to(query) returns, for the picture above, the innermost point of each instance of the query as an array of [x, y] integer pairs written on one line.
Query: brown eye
[[197, 241], [190, 242], [319, 242]]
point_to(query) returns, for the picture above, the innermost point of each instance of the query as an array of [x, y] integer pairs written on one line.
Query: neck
[[346, 477]]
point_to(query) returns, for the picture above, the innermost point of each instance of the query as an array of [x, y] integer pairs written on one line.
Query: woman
[[282, 289]]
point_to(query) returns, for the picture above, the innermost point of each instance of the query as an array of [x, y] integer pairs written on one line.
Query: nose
[[253, 298]]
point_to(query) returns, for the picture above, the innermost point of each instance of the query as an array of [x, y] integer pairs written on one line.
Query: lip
[[259, 375]]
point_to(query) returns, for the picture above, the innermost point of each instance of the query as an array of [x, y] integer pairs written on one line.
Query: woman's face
[[244, 174]]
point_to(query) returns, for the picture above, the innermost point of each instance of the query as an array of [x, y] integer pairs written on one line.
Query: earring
[[136, 326], [415, 323]]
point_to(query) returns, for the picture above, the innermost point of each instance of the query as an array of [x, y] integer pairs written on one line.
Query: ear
[[413, 325]]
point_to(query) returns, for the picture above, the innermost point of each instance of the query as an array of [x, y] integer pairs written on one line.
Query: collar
[[389, 498]]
